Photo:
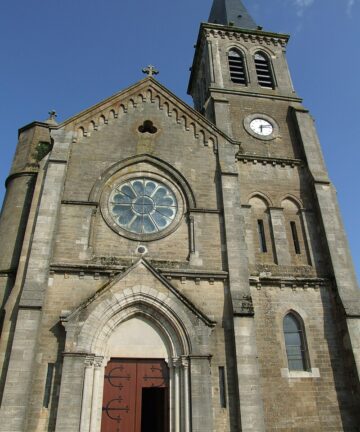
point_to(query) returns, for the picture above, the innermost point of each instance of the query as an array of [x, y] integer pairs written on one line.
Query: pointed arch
[[261, 195], [96, 191], [295, 342], [295, 230], [292, 198], [262, 227], [152, 306]]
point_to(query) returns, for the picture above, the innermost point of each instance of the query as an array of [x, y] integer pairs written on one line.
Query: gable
[[147, 91], [144, 275]]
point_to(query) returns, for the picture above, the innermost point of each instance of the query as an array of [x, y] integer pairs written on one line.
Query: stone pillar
[[32, 298], [19, 375], [13, 222], [87, 394], [201, 394], [186, 394], [195, 258], [312, 247], [249, 234], [97, 392], [333, 228], [71, 393], [241, 309], [251, 404], [282, 250], [177, 401]]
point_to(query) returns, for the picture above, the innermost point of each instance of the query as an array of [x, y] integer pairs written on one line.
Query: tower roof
[[231, 11]]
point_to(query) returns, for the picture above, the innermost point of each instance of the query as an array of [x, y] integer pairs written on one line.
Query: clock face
[[261, 127]]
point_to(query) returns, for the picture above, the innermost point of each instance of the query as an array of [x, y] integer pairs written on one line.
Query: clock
[[261, 127]]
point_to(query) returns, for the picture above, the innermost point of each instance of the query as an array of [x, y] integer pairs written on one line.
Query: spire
[[231, 12]]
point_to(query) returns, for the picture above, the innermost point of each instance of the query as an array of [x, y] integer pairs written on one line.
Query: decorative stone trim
[[95, 271], [147, 95], [196, 276], [264, 160], [80, 203], [245, 36], [205, 210], [290, 283]]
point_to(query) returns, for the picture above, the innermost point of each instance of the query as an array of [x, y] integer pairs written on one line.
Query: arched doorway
[[136, 381], [141, 323]]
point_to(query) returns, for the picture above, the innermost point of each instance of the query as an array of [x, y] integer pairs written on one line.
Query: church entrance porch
[[136, 396]]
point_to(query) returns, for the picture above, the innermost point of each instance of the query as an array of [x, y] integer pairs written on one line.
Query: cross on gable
[[150, 70]]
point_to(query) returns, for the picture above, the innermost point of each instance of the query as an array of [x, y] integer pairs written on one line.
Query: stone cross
[[53, 115], [150, 70]]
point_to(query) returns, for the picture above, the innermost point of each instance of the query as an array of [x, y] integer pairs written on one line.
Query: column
[[281, 244], [177, 401], [251, 404], [71, 392], [95, 417], [201, 395], [171, 395], [186, 393], [87, 394]]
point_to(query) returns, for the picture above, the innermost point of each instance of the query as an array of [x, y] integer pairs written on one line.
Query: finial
[[52, 118], [150, 71], [53, 115]]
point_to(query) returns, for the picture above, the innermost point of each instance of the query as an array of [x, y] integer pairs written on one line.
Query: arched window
[[263, 70], [237, 67], [295, 343], [262, 231], [295, 232]]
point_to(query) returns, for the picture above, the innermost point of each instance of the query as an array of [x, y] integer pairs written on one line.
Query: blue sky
[[67, 55]]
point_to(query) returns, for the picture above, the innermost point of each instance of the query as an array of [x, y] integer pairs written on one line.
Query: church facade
[[171, 269]]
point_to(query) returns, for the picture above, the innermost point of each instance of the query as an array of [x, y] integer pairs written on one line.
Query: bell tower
[[291, 224]]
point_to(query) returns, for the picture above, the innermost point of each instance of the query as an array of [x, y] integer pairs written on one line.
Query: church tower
[[170, 269]]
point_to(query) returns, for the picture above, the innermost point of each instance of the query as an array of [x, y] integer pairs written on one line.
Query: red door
[[135, 396]]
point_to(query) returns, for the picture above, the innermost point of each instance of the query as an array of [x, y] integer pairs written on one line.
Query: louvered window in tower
[[263, 70], [237, 67]]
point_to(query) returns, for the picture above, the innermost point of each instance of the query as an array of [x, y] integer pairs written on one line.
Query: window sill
[[313, 373]]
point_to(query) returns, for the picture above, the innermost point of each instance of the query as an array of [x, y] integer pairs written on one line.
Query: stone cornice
[[289, 282], [265, 160], [259, 35], [21, 174], [97, 270], [239, 92], [33, 124], [80, 203]]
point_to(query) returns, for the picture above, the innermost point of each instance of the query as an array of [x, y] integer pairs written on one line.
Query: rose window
[[143, 206]]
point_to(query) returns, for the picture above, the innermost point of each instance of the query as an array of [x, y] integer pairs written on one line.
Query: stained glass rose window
[[143, 206]]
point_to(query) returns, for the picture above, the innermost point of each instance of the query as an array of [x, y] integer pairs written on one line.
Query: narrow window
[[222, 387], [263, 70], [295, 343], [237, 67], [295, 238], [262, 238], [48, 384]]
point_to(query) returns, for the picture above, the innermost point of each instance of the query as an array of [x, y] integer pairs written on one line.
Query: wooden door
[[135, 396]]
